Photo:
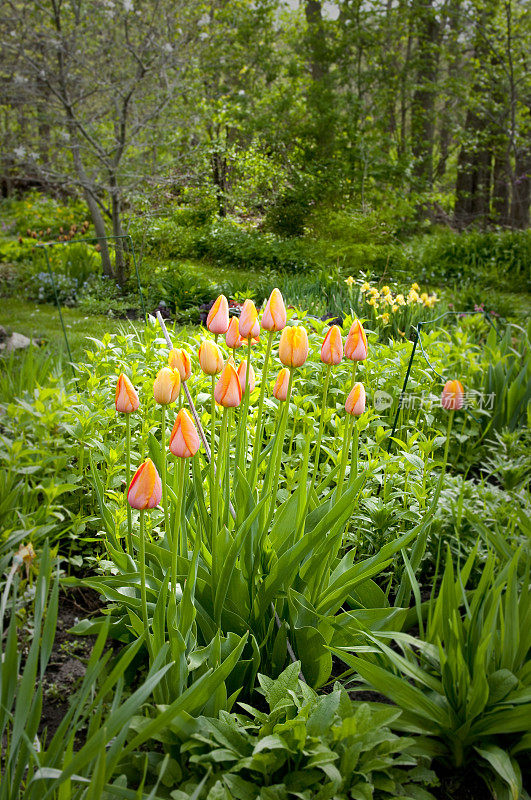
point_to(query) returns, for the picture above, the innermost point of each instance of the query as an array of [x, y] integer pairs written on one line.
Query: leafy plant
[[464, 686], [303, 746]]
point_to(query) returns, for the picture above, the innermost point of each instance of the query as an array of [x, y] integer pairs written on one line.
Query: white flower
[[20, 152], [128, 5]]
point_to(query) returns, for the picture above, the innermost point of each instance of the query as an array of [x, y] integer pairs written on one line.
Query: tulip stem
[[279, 448], [128, 481], [163, 460], [320, 432], [227, 468], [344, 455], [212, 440], [179, 536], [142, 559], [259, 426]]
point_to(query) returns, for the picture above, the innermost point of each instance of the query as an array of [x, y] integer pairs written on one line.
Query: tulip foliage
[[234, 558]]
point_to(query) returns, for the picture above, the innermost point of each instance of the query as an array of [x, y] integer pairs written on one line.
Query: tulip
[[280, 390], [356, 344], [242, 375], [184, 438], [453, 396], [248, 320], [355, 403], [145, 490], [218, 316], [274, 316], [232, 337], [210, 358], [332, 347], [167, 386], [255, 332], [180, 360], [126, 399], [293, 347], [228, 391]]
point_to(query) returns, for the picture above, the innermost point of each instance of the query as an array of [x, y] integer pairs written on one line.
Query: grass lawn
[[41, 321]]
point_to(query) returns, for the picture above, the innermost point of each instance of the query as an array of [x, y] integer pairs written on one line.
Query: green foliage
[[464, 687], [495, 258], [305, 746]]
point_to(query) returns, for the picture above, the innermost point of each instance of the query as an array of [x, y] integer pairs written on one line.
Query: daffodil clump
[[388, 308]]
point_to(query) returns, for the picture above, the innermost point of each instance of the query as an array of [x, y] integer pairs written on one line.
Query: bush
[[499, 258]]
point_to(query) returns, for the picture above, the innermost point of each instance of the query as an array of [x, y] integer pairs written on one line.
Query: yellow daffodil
[[413, 296], [400, 300], [394, 309], [385, 289], [365, 287], [349, 281], [415, 287], [373, 303], [374, 292], [384, 318], [424, 297]]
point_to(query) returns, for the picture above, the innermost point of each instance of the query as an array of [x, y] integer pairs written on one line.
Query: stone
[[17, 341]]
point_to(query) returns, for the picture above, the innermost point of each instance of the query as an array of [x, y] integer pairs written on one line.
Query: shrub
[[498, 258]]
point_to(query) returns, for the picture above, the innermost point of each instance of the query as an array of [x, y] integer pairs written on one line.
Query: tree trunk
[[521, 190], [120, 266], [423, 104], [320, 96]]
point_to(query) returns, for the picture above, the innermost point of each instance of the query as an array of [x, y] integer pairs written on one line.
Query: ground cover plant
[[309, 534]]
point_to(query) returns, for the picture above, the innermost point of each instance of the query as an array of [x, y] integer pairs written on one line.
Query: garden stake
[[88, 240]]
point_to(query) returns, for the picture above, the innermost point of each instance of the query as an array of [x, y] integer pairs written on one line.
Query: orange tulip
[[355, 404], [126, 399], [274, 316], [293, 347], [228, 392], [218, 316], [145, 490], [210, 358], [280, 389], [453, 396], [248, 320], [242, 375], [356, 344], [184, 438], [232, 337], [167, 386], [180, 360], [332, 348]]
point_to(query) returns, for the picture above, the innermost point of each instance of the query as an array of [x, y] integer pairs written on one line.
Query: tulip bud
[[248, 320], [274, 316], [280, 389], [332, 348], [356, 344], [228, 391], [184, 438], [126, 399], [232, 337], [355, 404], [218, 316], [453, 396], [166, 386], [180, 360], [145, 490], [242, 376], [210, 358], [293, 346]]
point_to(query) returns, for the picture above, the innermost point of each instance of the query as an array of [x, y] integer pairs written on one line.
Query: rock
[[17, 341]]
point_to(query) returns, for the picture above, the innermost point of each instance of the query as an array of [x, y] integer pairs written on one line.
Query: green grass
[[41, 322]]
